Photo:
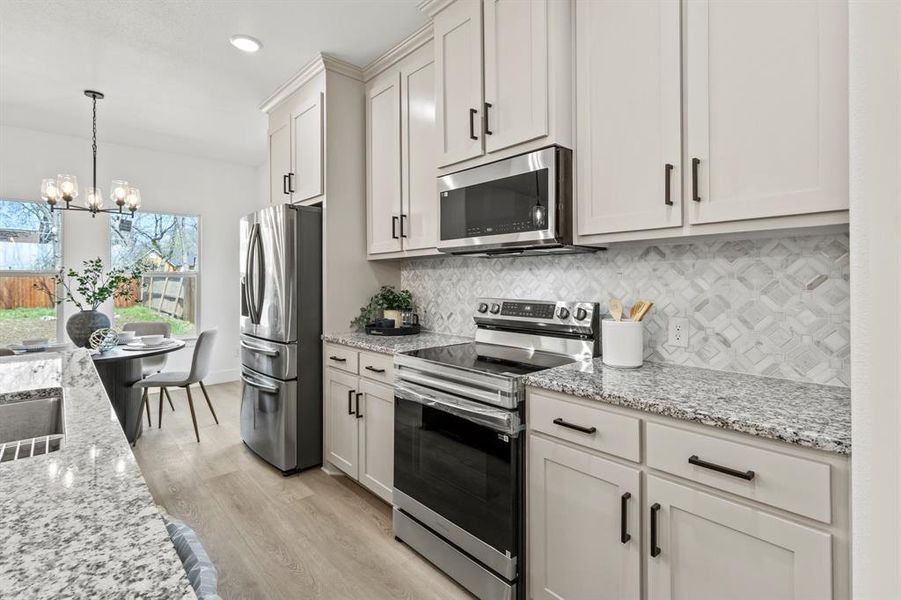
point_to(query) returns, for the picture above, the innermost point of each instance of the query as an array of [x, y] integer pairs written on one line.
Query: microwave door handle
[[496, 419]]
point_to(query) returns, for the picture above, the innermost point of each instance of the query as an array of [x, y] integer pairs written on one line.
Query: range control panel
[[537, 310]]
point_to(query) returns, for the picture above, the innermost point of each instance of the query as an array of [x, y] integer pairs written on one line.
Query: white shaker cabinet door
[[279, 162], [420, 151], [766, 108], [341, 434], [376, 418], [629, 140], [458, 62], [516, 72], [711, 549], [306, 124], [383, 170], [578, 506]]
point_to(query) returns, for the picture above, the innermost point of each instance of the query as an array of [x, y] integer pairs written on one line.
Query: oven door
[[457, 470], [509, 203]]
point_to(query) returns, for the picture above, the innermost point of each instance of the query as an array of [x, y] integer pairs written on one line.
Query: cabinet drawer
[[792, 483], [379, 367], [588, 426], [341, 357]]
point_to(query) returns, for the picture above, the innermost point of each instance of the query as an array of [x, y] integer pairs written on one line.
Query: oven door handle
[[497, 419]]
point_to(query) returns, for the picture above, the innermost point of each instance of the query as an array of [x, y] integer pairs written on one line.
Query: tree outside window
[[170, 245]]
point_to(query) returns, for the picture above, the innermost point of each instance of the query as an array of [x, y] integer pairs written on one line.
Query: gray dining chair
[[152, 364], [6, 352], [200, 368]]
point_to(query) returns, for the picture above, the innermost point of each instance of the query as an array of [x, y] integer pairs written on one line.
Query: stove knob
[[562, 313], [495, 308], [581, 313], [483, 308]]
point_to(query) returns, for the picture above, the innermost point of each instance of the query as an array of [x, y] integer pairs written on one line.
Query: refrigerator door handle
[[248, 269], [258, 350], [259, 274]]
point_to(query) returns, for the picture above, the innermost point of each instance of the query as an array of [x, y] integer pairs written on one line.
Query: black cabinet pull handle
[[472, 124], [562, 423], [337, 359], [350, 402], [402, 234], [624, 536], [487, 131], [668, 169], [694, 179], [373, 369], [359, 414], [285, 185], [291, 183], [746, 475], [655, 550], [394, 228]]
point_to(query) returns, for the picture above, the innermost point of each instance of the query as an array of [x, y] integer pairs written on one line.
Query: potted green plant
[[87, 290], [387, 303]]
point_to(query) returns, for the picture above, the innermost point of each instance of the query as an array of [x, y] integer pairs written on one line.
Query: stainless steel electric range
[[459, 452]]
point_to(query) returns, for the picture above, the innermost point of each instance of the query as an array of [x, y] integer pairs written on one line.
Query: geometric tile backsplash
[[778, 306]]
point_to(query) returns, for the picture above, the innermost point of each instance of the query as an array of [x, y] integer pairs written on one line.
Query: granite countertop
[[805, 414], [80, 522], [394, 344]]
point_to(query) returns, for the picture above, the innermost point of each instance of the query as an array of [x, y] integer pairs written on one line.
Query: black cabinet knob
[[581, 313], [563, 312], [495, 308], [483, 308]]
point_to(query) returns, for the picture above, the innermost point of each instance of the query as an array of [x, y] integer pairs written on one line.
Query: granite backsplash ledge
[[778, 307]]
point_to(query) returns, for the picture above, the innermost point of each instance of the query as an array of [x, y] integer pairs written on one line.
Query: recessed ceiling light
[[245, 43]]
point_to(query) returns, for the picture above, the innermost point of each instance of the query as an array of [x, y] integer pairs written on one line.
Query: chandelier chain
[[94, 138]]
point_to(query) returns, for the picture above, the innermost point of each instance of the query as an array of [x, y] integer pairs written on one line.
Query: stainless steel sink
[[31, 424]]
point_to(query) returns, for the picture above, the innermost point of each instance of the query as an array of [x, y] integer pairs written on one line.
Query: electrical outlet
[[678, 332]]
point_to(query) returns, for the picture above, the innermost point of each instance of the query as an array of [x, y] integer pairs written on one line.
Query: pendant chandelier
[[64, 188]]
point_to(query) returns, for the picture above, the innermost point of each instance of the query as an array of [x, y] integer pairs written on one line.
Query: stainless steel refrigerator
[[281, 325]]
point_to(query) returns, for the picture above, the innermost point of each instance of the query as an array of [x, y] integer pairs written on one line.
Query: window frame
[[195, 275], [60, 261]]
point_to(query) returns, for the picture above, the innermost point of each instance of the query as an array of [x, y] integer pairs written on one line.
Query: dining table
[[119, 369]]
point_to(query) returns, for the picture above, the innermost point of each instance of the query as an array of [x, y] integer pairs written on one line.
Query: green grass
[[139, 312], [9, 314]]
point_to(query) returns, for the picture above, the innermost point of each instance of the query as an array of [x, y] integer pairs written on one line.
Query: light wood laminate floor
[[307, 536]]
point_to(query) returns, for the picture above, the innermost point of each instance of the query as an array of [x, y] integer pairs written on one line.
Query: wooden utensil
[[645, 307], [616, 309], [636, 308]]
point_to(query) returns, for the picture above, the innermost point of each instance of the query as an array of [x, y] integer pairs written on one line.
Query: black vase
[[82, 324]]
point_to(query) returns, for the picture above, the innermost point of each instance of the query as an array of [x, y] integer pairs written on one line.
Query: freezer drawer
[[269, 358], [269, 418]]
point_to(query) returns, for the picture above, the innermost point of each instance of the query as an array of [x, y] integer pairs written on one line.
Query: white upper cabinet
[[629, 141], [767, 108], [516, 72], [458, 59], [279, 161], [383, 163], [419, 211], [707, 548], [305, 177]]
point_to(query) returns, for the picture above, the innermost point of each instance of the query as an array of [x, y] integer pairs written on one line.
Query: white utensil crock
[[622, 343]]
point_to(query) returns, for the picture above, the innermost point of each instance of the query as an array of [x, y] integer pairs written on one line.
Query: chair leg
[[138, 422], [146, 402], [193, 416], [208, 403], [160, 420], [169, 398]]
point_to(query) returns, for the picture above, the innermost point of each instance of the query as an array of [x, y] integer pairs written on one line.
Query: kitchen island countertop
[[80, 522]]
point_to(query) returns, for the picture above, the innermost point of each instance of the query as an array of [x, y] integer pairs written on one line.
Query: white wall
[[220, 193], [875, 103]]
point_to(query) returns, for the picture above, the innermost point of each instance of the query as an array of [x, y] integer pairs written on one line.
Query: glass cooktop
[[490, 358]]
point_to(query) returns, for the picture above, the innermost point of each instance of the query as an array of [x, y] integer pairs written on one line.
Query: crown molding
[[322, 62], [433, 7], [416, 40]]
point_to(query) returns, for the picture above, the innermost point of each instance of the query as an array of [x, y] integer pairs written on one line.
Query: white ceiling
[[172, 81]]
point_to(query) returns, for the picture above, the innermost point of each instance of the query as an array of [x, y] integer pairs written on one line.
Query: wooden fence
[[168, 295], [19, 292]]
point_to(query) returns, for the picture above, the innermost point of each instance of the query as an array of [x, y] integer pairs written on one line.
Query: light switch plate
[[678, 332]]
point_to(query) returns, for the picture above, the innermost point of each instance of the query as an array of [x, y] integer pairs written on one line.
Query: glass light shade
[[118, 191], [93, 198], [67, 186], [49, 191], [133, 199]]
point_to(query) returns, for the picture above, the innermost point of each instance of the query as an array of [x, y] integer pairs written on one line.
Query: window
[[29, 255], [169, 244]]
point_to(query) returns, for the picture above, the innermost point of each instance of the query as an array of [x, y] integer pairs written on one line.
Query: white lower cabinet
[[584, 536], [359, 415], [708, 548]]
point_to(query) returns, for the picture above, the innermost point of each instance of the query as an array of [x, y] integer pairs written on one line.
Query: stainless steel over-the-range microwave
[[517, 205]]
